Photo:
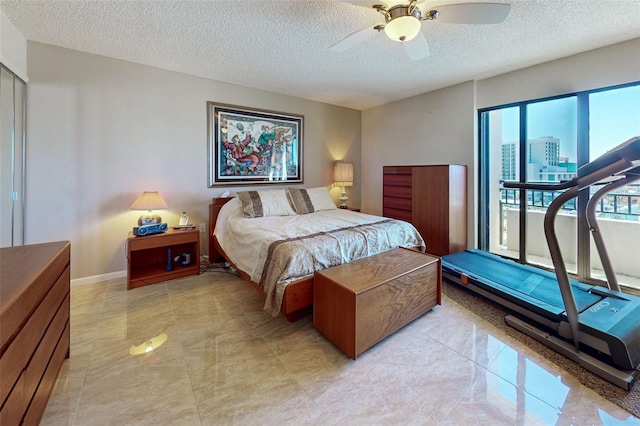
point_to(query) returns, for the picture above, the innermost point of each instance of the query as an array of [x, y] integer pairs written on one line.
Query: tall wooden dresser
[[34, 337], [434, 199]]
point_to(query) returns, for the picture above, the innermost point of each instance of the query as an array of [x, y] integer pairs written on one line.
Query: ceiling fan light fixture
[[402, 28]]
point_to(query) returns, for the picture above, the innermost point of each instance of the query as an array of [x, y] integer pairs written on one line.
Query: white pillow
[[321, 199], [272, 202]]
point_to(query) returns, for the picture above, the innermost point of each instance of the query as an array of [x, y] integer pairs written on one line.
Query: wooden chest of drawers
[[34, 337], [358, 304], [433, 198]]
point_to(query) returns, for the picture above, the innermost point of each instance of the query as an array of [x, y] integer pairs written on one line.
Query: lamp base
[[343, 199], [149, 219]]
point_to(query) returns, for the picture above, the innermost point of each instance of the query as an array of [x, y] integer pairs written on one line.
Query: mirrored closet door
[[12, 158]]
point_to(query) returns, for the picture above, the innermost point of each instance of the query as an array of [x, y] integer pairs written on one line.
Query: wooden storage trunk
[[358, 304]]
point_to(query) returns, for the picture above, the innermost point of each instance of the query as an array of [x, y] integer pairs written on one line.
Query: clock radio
[[156, 228]]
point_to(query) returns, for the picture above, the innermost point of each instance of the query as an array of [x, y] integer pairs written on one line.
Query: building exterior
[[544, 162], [510, 160]]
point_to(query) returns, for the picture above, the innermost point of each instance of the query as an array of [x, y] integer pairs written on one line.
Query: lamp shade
[[149, 200], [343, 173]]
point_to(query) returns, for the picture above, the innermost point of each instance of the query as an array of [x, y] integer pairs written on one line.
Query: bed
[[277, 239]]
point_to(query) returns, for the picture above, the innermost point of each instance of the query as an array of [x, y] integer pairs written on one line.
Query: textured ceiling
[[282, 45]]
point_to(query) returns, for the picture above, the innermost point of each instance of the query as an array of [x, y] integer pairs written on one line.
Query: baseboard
[[98, 278]]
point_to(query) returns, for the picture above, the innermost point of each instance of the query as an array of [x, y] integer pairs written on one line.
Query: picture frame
[[248, 146]]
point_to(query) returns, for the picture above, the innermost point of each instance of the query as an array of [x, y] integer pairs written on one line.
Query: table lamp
[[149, 201], [343, 177]]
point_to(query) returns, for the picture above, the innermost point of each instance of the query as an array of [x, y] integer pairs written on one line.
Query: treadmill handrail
[[592, 221], [542, 186], [628, 150]]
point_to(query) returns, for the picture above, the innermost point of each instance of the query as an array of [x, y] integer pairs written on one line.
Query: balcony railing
[[620, 214], [615, 205]]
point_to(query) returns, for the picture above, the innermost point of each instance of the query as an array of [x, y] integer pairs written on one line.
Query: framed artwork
[[248, 146]]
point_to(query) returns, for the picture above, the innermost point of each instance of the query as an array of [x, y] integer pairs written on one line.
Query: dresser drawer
[[37, 366], [397, 170], [397, 180], [34, 337], [28, 273], [18, 354], [41, 396], [396, 191], [16, 404], [397, 214], [396, 203]]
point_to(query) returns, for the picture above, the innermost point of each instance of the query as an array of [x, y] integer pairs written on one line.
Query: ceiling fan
[[403, 21]]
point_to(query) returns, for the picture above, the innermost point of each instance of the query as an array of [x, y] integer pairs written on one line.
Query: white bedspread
[[246, 241]]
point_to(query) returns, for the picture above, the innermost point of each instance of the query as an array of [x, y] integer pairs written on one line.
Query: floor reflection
[[218, 358]]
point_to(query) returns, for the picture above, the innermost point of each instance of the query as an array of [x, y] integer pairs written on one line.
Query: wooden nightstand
[[353, 209], [148, 256]]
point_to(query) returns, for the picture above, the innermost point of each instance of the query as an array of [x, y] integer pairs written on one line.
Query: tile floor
[[226, 361]]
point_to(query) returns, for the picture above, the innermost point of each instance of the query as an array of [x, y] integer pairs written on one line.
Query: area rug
[[494, 314]]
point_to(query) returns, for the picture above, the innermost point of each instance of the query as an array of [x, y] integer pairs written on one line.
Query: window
[[547, 141], [551, 140], [614, 116]]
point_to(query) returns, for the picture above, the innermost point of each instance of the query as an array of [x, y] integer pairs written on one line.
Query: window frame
[[583, 272]]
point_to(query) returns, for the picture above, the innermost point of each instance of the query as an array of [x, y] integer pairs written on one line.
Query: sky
[[614, 117]]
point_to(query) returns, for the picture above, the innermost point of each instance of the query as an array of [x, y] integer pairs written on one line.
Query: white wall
[[608, 66], [433, 128], [101, 131], [13, 48]]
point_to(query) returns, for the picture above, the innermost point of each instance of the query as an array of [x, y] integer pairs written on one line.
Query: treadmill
[[595, 326]]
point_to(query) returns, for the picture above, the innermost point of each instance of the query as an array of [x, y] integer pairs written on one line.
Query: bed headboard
[[214, 210]]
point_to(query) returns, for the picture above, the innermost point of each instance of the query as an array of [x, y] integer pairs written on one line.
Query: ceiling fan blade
[[355, 38], [417, 48], [472, 13], [365, 3]]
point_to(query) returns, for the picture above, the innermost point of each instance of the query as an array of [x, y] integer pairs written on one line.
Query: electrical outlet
[[202, 228]]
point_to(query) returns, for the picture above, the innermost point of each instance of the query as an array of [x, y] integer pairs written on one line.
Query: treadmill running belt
[[534, 282]]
